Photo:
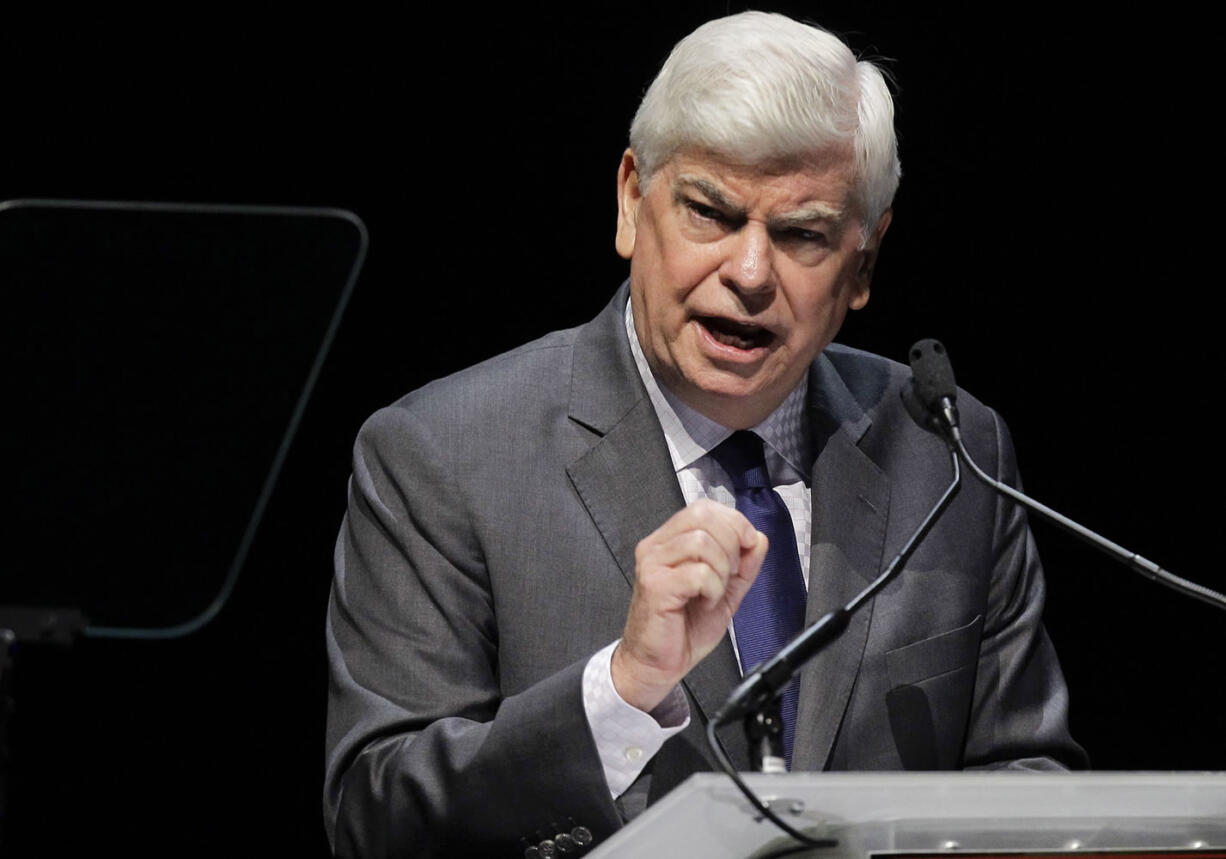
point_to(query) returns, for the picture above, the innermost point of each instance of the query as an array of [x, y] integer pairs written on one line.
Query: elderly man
[[556, 564]]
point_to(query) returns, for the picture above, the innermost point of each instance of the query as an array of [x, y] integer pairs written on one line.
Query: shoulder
[[527, 378], [532, 370], [877, 383], [521, 399]]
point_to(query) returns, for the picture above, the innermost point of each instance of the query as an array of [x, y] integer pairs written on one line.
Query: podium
[[945, 814]]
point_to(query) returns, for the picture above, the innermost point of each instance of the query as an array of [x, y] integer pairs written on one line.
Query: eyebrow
[[711, 191], [816, 212], [813, 212]]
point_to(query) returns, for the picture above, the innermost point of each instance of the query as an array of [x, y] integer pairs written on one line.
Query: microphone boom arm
[[931, 400], [1132, 560]]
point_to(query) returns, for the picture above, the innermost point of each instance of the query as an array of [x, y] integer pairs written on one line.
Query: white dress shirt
[[626, 737]]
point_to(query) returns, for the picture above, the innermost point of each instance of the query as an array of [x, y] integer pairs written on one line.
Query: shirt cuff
[[626, 737]]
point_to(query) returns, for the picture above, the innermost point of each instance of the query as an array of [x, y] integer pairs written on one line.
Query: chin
[[733, 406]]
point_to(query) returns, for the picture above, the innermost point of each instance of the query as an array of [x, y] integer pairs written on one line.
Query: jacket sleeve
[[425, 754]]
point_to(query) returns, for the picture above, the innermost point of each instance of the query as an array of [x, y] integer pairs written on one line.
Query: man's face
[[739, 277]]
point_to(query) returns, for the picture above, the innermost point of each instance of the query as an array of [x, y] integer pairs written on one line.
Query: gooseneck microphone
[[761, 687], [931, 400]]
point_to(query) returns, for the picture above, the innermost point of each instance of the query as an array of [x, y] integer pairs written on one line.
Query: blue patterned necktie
[[774, 609]]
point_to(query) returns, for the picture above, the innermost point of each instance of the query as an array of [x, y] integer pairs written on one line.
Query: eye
[[802, 236], [707, 213]]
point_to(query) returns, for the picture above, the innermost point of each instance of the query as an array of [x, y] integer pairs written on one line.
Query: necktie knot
[[743, 457]]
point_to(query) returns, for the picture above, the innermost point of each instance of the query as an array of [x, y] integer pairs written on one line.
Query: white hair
[[760, 88]]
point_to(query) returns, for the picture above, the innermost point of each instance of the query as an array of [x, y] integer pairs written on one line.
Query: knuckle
[[696, 543], [697, 575]]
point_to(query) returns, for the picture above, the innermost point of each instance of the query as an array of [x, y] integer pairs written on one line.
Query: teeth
[[736, 334], [732, 339]]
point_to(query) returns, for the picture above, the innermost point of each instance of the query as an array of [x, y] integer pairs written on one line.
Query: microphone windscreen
[[934, 375]]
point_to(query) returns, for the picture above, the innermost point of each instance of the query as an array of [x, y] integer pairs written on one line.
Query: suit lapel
[[851, 498], [626, 482], [626, 478], [619, 481]]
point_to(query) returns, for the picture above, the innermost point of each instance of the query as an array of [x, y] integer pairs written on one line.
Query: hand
[[690, 576]]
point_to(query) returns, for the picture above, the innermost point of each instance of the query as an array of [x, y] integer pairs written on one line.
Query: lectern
[[949, 815]]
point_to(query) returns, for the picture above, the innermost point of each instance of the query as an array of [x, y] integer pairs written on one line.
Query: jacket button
[[582, 835], [548, 849], [565, 842], [532, 853]]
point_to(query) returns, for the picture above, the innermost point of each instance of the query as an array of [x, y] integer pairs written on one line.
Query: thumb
[[755, 554], [747, 572]]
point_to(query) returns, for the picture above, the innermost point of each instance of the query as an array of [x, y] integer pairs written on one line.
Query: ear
[[629, 195], [868, 261]]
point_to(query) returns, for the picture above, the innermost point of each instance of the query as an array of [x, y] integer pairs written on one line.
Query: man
[[537, 580]]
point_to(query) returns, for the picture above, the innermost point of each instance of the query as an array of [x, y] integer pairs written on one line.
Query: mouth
[[739, 335]]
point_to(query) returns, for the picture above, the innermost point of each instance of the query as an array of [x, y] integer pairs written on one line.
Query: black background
[[1056, 227]]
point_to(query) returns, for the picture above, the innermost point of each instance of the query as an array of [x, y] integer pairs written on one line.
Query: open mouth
[[739, 335]]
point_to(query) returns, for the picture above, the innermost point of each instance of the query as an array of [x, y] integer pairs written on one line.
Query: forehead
[[823, 183]]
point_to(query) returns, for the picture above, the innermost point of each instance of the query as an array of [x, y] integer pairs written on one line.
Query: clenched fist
[[690, 576]]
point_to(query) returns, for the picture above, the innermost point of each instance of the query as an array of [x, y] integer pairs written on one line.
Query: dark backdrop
[[1055, 227]]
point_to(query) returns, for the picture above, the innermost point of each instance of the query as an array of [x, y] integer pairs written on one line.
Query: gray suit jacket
[[488, 552]]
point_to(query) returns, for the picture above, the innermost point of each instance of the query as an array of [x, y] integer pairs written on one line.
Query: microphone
[[761, 686], [931, 396], [930, 399]]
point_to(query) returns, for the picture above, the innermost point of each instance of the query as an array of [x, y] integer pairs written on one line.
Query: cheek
[[668, 278], [689, 269], [817, 306]]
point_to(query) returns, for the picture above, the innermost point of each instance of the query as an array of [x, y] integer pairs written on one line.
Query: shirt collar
[[691, 436]]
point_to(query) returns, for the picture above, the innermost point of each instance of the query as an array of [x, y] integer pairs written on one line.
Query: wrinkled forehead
[[824, 181], [837, 161], [840, 157]]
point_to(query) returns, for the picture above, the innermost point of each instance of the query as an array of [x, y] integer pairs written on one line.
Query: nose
[[748, 266]]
